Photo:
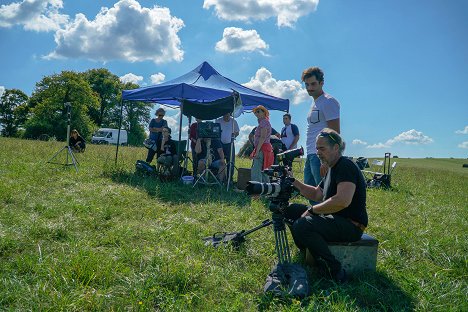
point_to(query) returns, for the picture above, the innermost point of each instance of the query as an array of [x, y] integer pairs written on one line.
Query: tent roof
[[203, 84]]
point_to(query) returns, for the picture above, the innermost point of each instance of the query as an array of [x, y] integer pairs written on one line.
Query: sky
[[398, 68]]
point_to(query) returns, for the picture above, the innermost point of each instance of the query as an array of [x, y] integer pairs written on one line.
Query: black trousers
[[230, 156], [150, 156], [313, 232]]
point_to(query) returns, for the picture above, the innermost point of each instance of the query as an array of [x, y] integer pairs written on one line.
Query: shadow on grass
[[176, 192], [373, 291]]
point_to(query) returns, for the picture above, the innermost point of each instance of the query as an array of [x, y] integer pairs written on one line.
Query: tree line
[[95, 97]]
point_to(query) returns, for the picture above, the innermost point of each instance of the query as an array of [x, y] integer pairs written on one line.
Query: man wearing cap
[[155, 129], [340, 214], [324, 113]]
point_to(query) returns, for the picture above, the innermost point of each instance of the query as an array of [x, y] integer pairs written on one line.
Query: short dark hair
[[313, 71], [287, 115], [168, 129]]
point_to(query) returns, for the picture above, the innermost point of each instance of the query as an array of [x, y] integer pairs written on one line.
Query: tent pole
[[188, 144], [180, 133], [118, 136], [231, 156]]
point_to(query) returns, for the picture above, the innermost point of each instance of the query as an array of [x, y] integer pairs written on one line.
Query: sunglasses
[[330, 135], [258, 111], [160, 115]]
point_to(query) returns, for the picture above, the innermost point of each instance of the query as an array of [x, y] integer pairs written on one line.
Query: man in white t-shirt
[[229, 131], [324, 113], [289, 133]]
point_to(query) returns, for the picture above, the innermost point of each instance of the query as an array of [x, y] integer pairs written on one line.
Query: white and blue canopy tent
[[202, 85]]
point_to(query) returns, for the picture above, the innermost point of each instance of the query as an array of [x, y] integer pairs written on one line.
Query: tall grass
[[107, 239]]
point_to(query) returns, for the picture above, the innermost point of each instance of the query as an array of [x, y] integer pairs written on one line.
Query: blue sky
[[398, 68]]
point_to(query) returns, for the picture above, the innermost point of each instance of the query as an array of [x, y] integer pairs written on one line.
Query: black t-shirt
[[78, 139], [169, 148], [345, 170], [215, 145]]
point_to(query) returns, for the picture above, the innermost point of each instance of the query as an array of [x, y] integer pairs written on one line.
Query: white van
[[109, 136]]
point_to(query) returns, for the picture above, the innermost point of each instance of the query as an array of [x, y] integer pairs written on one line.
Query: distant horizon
[[398, 68]]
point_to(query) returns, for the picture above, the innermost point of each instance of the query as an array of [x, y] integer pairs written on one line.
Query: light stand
[[205, 176], [69, 153]]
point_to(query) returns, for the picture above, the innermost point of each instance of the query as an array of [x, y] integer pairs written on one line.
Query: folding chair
[[376, 167]]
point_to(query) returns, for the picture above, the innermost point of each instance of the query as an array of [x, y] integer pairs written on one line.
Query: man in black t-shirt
[[341, 212]]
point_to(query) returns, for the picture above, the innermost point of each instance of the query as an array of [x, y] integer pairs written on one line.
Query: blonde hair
[[263, 108]]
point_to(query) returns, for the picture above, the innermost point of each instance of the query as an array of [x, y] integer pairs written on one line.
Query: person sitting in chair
[[77, 143], [167, 154], [217, 157]]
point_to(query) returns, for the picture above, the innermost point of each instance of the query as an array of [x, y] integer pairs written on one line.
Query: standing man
[[324, 113], [229, 131], [289, 133], [155, 128]]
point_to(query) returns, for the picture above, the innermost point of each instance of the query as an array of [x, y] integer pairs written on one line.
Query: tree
[[49, 115], [13, 111], [108, 87], [135, 114]]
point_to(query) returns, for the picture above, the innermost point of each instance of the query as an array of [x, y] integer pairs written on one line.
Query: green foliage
[[13, 111], [106, 239], [49, 116], [108, 88]]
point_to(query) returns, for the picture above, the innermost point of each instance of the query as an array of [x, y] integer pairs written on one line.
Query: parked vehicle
[[109, 136]]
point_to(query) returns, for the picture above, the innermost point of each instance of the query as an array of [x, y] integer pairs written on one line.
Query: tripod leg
[[55, 155]]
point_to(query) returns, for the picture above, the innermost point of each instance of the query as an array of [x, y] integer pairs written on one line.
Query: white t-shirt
[[226, 129], [324, 109]]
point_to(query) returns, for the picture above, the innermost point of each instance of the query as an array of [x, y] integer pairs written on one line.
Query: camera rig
[[279, 191]]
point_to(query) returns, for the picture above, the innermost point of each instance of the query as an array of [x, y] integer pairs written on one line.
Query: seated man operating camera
[[341, 212], [167, 154], [217, 156]]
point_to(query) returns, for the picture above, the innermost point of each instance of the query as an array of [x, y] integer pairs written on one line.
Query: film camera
[[280, 188], [209, 130]]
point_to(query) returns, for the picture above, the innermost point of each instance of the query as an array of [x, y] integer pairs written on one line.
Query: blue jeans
[[312, 170]]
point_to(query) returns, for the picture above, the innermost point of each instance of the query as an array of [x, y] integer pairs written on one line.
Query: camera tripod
[[207, 173], [279, 228], [69, 152]]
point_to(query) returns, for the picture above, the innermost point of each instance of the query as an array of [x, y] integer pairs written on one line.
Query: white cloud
[[157, 78], [359, 142], [243, 136], [2, 90], [464, 131], [412, 137], [378, 145], [36, 15], [289, 89], [131, 78], [126, 31], [287, 12], [463, 145], [239, 40]]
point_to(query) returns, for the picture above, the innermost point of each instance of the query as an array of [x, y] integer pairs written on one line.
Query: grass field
[[107, 239]]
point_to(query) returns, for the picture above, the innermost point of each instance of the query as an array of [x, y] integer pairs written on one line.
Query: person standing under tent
[[289, 135], [193, 137], [229, 132], [324, 113], [155, 128], [262, 154]]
